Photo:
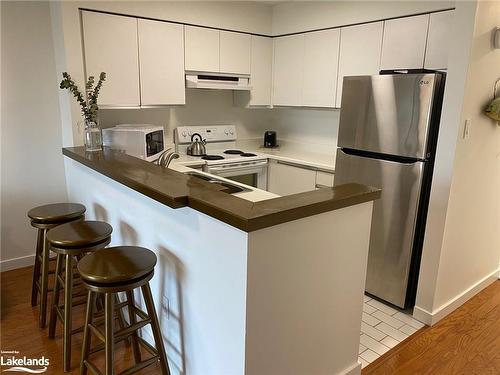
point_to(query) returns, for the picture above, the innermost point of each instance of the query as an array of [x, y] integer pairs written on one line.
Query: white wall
[[291, 16], [32, 166], [462, 244]]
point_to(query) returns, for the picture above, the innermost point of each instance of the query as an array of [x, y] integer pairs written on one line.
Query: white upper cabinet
[[360, 48], [436, 55], [161, 51], [261, 71], [110, 44], [235, 49], [201, 49], [321, 55], [288, 70], [404, 41]]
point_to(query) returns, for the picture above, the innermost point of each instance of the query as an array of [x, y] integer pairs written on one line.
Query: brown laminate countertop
[[176, 189]]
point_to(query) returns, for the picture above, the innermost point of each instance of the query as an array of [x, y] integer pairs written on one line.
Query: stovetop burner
[[212, 157], [233, 152], [247, 154]]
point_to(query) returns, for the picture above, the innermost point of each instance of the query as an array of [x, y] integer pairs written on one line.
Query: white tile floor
[[382, 328]]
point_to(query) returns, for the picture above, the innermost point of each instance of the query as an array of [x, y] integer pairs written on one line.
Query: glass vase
[[92, 136]]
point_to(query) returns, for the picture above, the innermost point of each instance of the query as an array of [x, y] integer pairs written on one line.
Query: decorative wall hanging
[[492, 110]]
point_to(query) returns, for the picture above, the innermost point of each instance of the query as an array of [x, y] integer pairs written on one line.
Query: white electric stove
[[222, 157]]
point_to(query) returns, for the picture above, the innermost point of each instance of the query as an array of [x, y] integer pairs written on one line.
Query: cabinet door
[[288, 70], [235, 52], [360, 48], [321, 56], [201, 49], [261, 71], [436, 55], [161, 56], [284, 179], [404, 42], [324, 179], [110, 44]]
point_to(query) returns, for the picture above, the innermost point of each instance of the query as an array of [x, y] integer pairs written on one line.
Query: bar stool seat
[[44, 218], [82, 234], [117, 264], [71, 241], [56, 213], [110, 271]]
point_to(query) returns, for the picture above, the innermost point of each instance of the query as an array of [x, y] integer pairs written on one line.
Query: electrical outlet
[[166, 306], [467, 128]]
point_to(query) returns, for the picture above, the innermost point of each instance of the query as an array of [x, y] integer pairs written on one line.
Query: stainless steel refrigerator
[[387, 138]]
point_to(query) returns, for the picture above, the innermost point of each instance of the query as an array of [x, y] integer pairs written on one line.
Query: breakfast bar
[[241, 287]]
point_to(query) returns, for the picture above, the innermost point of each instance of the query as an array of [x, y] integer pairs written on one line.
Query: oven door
[[249, 173]]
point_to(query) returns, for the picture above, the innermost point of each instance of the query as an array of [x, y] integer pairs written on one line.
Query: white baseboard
[[355, 369], [431, 318], [12, 264]]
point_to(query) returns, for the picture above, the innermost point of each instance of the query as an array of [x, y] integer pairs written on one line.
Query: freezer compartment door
[[387, 114], [393, 221]]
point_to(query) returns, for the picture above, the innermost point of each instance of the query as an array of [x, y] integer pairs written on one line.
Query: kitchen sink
[[230, 187]]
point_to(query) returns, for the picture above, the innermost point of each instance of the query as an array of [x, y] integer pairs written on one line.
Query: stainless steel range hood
[[217, 81]]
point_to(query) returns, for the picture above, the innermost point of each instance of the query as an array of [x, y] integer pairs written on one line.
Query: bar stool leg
[[36, 269], [68, 307], [91, 300], [155, 325], [120, 316], [45, 281], [133, 320], [55, 296], [108, 332]]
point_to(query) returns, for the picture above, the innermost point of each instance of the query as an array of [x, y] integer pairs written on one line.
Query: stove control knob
[[231, 131], [190, 133], [226, 132], [184, 133]]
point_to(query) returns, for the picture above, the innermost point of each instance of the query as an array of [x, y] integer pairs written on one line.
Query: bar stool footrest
[[92, 368], [121, 334], [146, 345], [139, 366]]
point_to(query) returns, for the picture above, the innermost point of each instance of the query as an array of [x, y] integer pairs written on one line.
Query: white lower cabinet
[[285, 179], [324, 179]]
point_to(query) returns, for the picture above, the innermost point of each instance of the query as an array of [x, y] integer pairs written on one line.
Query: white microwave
[[142, 141]]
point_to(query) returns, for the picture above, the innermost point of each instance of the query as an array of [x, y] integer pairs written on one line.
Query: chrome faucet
[[166, 158]]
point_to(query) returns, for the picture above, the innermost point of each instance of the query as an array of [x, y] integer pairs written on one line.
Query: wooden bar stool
[[70, 242], [110, 271], [44, 218]]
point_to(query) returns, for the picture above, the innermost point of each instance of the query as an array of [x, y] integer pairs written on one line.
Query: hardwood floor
[[465, 342], [19, 330]]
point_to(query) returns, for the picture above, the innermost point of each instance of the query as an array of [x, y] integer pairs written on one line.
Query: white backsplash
[[300, 128]]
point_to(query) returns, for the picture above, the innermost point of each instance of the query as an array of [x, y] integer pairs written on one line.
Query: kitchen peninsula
[[242, 287]]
